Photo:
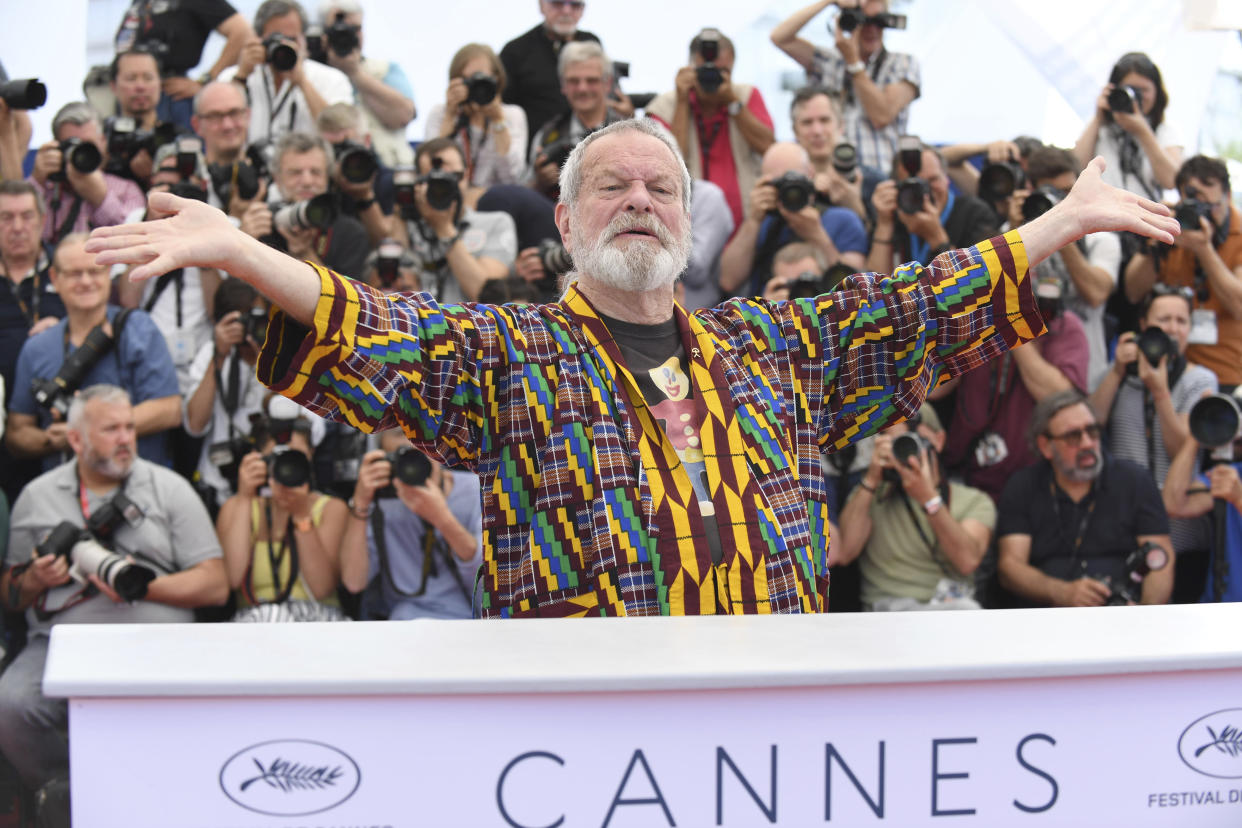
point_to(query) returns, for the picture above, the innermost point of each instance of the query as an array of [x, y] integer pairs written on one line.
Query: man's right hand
[[256, 221], [229, 332], [529, 266], [1085, 592], [48, 571], [374, 474], [881, 459], [547, 174], [762, 201], [47, 161], [252, 54], [57, 439], [884, 200], [251, 474], [687, 79]]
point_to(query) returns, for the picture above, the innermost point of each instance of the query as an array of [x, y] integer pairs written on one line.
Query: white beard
[[634, 266]]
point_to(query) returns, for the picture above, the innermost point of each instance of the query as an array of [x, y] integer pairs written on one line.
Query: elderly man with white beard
[[636, 459]]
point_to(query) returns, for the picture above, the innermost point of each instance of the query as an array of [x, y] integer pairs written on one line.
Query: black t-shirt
[[182, 25], [1123, 504], [970, 221], [656, 357], [530, 64], [343, 247], [20, 306]]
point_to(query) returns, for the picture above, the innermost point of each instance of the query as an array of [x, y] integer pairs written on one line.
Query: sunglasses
[[572, 5], [1074, 437]]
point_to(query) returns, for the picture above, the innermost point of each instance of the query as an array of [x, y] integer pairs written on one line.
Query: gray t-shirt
[[175, 533], [490, 234]]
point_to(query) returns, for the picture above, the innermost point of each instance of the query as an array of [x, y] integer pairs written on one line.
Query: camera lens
[[1035, 205], [83, 156], [411, 467], [481, 88], [281, 54], [290, 467], [442, 191], [23, 94], [906, 446], [845, 159], [794, 191], [1214, 421], [910, 195], [710, 78], [357, 164], [1155, 345], [998, 181], [1121, 99], [850, 19]]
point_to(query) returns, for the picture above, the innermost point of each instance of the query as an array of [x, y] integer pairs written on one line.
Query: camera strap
[[706, 139], [275, 557], [277, 102], [999, 379], [932, 543], [177, 278], [29, 313], [1175, 367], [767, 252], [1082, 524], [71, 217], [1131, 157], [432, 543]]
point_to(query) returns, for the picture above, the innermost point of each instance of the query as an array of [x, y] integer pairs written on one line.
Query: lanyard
[[705, 141], [1082, 524], [472, 158], [30, 314], [275, 558], [921, 250], [274, 107]]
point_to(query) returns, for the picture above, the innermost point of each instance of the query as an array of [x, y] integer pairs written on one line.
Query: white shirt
[[275, 113]]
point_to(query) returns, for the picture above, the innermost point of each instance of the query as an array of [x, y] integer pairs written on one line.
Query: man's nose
[[637, 198]]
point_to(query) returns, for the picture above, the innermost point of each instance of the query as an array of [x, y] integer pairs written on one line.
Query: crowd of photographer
[[1072, 471]]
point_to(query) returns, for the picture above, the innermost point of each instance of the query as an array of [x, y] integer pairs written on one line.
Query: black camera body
[[83, 156], [554, 257], [708, 74], [240, 178], [911, 193], [998, 180], [1154, 344], [905, 446], [1125, 99], [23, 94], [1189, 213], [851, 18], [481, 88], [1149, 557], [410, 466], [317, 213], [443, 188], [288, 467], [281, 52], [87, 556], [794, 191], [358, 164], [845, 161], [342, 37], [1040, 201]]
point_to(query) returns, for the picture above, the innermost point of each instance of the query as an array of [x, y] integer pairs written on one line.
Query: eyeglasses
[[572, 5], [1161, 289], [214, 118], [1075, 436]]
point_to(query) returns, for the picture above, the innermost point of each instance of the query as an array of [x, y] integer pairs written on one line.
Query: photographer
[[303, 165], [457, 248], [381, 88], [816, 117], [286, 91], [135, 79], [1086, 271], [68, 170], [134, 358], [877, 85], [586, 75], [1191, 495], [414, 551], [176, 33], [1071, 525], [1207, 258], [15, 132], [722, 128], [917, 216], [491, 135], [280, 549], [135, 510], [784, 208], [366, 197], [920, 536], [1142, 150]]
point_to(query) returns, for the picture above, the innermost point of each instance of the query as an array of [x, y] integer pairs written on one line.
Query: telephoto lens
[[356, 162], [83, 156], [845, 161], [23, 94], [1215, 420], [318, 213], [282, 54]]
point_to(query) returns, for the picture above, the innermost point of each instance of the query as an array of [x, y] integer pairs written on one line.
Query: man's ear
[[75, 441], [1045, 446], [937, 439], [562, 223]]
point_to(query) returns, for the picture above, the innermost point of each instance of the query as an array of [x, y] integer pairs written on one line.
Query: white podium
[[1127, 716]]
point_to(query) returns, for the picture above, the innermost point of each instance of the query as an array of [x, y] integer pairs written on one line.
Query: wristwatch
[[499, 126], [353, 510], [934, 505], [856, 67], [734, 109]]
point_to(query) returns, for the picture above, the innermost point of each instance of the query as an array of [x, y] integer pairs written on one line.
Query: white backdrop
[[990, 69]]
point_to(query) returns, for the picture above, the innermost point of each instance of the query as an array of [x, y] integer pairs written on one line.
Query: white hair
[[571, 173], [580, 51], [77, 406]]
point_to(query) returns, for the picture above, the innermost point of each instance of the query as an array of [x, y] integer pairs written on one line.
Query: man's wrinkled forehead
[[630, 155]]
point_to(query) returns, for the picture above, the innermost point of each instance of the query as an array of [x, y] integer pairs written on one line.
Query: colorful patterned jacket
[[586, 508]]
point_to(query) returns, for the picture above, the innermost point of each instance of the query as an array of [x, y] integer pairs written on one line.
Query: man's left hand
[[847, 45], [1226, 484], [1093, 206], [926, 224], [1198, 242], [805, 223], [179, 89]]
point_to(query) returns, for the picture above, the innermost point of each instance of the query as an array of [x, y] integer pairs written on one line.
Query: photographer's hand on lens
[[251, 474], [1085, 592], [440, 221], [301, 243], [1198, 242], [763, 200], [1156, 379], [1127, 352], [454, 98], [105, 589], [427, 501], [916, 477], [805, 223], [253, 55], [48, 571], [1225, 484]]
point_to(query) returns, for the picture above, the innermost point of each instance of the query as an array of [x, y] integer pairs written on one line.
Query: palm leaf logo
[[288, 776], [1228, 741]]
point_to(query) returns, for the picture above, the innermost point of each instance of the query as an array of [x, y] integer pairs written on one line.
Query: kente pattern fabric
[[586, 508]]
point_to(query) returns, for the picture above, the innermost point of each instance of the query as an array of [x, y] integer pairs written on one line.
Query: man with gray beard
[[637, 459], [1068, 524]]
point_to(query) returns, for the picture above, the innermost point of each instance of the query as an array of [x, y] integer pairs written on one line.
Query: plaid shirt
[[876, 146], [586, 507]]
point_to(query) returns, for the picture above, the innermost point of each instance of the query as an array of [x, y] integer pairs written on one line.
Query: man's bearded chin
[[1080, 474], [113, 468], [634, 266]]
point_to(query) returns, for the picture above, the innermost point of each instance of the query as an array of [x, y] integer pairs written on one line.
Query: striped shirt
[[586, 508], [876, 147]]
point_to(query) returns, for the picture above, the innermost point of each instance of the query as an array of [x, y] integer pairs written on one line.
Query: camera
[[125, 140], [911, 194], [845, 161], [481, 88], [281, 52], [410, 466], [1154, 344], [1189, 213], [314, 213], [808, 285], [87, 557], [1040, 201], [83, 156], [188, 189], [554, 257], [23, 94], [443, 190], [850, 19], [905, 446], [1215, 422], [288, 467], [910, 154], [1125, 99], [997, 181], [357, 163], [403, 181], [794, 191], [342, 37], [388, 261], [240, 178], [55, 394], [1148, 558], [255, 321], [1049, 297], [558, 152], [708, 74]]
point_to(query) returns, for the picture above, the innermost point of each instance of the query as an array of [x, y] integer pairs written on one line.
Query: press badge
[[181, 345], [1202, 327]]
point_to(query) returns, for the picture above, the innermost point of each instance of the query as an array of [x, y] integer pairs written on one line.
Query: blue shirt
[[841, 224], [141, 365], [1232, 587]]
